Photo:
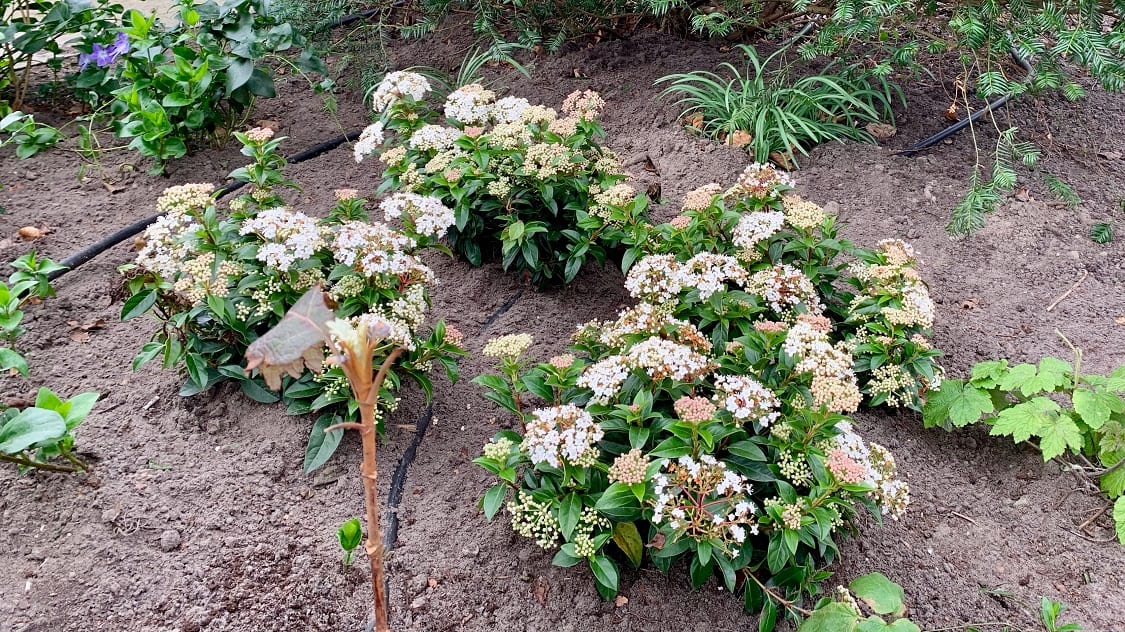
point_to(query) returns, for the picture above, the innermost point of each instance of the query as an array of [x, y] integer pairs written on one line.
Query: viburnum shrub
[[707, 423], [757, 252], [219, 280], [527, 184]]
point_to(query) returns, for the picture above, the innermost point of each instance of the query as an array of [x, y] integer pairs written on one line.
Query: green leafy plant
[[28, 136], [843, 612], [771, 113], [33, 437], [358, 346], [32, 276], [218, 279], [350, 534], [1049, 612], [706, 428], [1022, 401], [527, 185], [198, 77], [39, 28], [10, 329], [1101, 233]]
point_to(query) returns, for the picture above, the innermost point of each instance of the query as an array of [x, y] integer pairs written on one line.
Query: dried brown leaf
[[541, 590], [881, 131], [620, 601], [296, 343]]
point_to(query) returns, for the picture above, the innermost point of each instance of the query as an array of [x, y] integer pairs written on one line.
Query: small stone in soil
[[169, 540]]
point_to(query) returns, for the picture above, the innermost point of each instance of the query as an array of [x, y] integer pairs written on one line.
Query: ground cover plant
[[775, 115], [528, 186], [708, 422], [219, 279], [1022, 402]]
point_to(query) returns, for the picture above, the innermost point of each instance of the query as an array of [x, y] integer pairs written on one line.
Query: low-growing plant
[[349, 535], [706, 424], [35, 436], [32, 276], [28, 136], [842, 611], [11, 317], [1054, 404], [40, 28], [774, 115], [359, 347], [1049, 613], [217, 280], [527, 186]]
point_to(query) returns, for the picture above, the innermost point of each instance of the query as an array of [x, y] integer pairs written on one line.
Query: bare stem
[[19, 460], [788, 605]]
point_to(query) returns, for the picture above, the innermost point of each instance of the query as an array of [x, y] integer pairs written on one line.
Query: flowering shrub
[[218, 283], [527, 184], [707, 423], [756, 256]]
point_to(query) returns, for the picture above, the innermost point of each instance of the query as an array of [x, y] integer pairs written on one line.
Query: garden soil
[[197, 516]]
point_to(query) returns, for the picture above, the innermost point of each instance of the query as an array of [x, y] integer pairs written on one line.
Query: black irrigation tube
[[111, 240], [972, 118]]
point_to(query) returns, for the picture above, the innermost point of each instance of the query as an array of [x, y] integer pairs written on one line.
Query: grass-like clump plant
[[529, 186], [708, 424], [218, 278]]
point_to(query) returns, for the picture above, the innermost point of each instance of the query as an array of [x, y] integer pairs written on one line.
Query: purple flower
[[105, 56]]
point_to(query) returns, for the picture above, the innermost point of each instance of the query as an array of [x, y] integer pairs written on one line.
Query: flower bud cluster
[[703, 500], [878, 464], [562, 433]]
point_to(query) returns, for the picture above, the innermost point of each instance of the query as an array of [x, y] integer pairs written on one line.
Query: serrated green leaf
[[957, 401], [1095, 407], [1017, 376], [1026, 420], [988, 374], [880, 594], [834, 617], [1059, 436], [1117, 380], [1052, 374], [1113, 482]]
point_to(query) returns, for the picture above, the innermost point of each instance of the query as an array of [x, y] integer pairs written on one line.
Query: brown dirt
[[198, 517]]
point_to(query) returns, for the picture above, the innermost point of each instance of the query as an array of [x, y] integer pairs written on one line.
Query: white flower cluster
[[169, 242], [434, 137], [287, 236], [604, 378], [470, 104], [428, 215], [917, 307], [375, 249], [509, 109], [753, 228], [410, 308], [664, 359], [395, 86], [703, 500], [746, 399], [785, 287], [709, 273], [562, 432], [834, 382], [762, 182], [891, 494], [369, 140], [656, 278]]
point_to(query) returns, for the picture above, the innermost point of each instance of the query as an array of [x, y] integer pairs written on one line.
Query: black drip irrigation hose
[[972, 118], [111, 240]]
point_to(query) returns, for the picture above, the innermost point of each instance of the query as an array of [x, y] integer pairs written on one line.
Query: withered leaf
[[541, 589], [296, 343]]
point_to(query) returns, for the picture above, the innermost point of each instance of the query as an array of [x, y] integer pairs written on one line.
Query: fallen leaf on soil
[[739, 139], [578, 74], [30, 232], [653, 191], [881, 131], [541, 590], [1111, 155], [112, 188], [269, 124], [649, 166], [695, 121], [1120, 320], [781, 160], [90, 326], [620, 601], [18, 402], [1023, 195], [432, 582], [951, 113], [80, 336], [139, 243]]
